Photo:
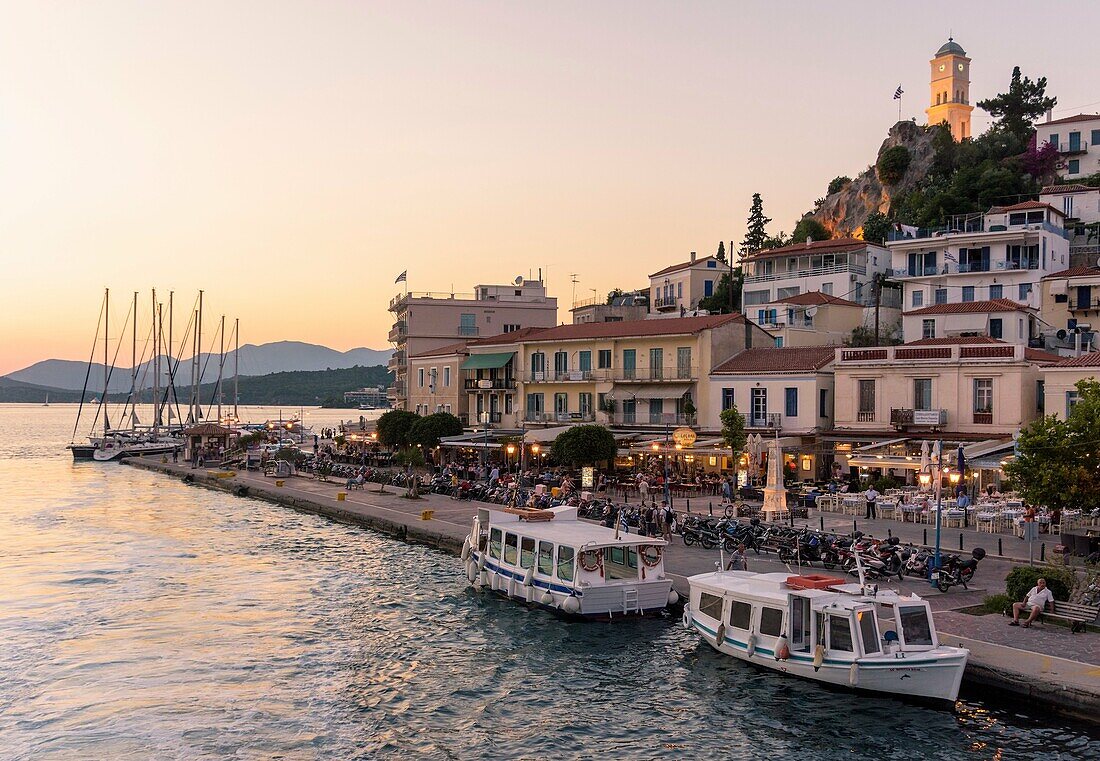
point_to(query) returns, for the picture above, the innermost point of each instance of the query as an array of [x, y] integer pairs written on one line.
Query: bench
[[1077, 614]]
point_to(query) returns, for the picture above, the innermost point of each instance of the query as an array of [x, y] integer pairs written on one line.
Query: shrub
[[837, 184], [998, 603], [1022, 578], [892, 164]]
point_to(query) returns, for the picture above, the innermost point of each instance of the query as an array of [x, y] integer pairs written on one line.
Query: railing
[[489, 384], [859, 269], [468, 330], [904, 416], [398, 331], [559, 417], [1082, 304], [1069, 149], [671, 374], [655, 418], [594, 301], [396, 389], [970, 227], [397, 359], [401, 298], [865, 416], [937, 354], [983, 418], [964, 268], [771, 420], [663, 303]]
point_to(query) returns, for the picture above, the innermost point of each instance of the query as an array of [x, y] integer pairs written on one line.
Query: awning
[[543, 435], [487, 361], [671, 391]]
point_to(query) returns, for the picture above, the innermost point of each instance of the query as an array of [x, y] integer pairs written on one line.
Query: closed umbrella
[[924, 457]]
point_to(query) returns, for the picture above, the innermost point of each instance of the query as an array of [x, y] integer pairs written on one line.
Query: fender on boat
[[751, 648], [720, 635], [782, 649], [686, 618], [819, 656], [471, 571], [853, 675], [571, 605], [673, 597], [529, 577], [465, 548]]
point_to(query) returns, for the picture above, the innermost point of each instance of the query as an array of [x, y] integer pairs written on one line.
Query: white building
[[1081, 206], [677, 289], [1078, 141], [1001, 254], [842, 267], [1003, 319]]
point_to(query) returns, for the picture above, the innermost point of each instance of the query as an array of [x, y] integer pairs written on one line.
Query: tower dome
[[950, 47]]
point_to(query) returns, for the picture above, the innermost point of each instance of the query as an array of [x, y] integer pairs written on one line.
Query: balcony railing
[[674, 419], [969, 226], [965, 268], [1067, 148], [397, 359], [902, 416], [558, 417], [467, 330], [398, 331], [865, 416], [983, 418], [663, 305], [858, 269], [1078, 305], [489, 384], [671, 374], [770, 420]]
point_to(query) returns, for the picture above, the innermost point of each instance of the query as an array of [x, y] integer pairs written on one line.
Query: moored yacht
[[827, 630], [550, 559]]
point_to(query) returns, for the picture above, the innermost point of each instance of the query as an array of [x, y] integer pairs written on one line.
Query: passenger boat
[[820, 628], [550, 559]]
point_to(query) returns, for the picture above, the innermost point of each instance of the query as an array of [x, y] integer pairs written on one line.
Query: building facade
[[427, 321], [842, 267], [435, 382], [628, 306], [368, 397], [1060, 382], [813, 319], [950, 90], [678, 289], [1071, 310], [1080, 204], [1077, 139], [1002, 319]]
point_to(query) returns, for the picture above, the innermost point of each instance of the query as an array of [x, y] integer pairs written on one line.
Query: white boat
[[550, 559], [826, 630], [120, 447]]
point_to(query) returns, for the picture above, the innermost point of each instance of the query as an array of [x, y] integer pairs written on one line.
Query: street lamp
[[511, 449], [925, 480]]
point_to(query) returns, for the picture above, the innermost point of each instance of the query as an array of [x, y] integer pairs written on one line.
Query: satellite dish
[[518, 280], [1061, 334]]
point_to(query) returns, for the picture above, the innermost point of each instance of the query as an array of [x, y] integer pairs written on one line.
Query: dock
[[1019, 667]]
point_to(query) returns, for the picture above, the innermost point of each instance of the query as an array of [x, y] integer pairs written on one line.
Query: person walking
[[872, 497], [727, 492], [651, 518], [738, 561], [669, 518]]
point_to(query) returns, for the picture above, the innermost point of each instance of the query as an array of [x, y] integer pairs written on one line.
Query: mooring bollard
[[688, 503], [889, 533], [1043, 552], [1000, 550], [340, 496], [821, 521], [855, 528], [960, 541], [925, 542], [712, 509]]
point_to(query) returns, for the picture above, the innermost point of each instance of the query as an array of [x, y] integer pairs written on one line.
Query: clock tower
[[950, 101]]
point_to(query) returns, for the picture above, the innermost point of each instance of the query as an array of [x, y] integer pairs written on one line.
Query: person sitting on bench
[[355, 482], [1035, 602]]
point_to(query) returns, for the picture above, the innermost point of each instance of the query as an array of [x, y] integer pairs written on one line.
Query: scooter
[[955, 571]]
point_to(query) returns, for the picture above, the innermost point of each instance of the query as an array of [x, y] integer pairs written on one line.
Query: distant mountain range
[[280, 356]]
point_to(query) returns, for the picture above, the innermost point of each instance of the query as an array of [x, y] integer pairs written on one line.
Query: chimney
[[809, 239], [693, 257], [1050, 114]]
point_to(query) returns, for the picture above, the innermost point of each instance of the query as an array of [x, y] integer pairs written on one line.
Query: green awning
[[487, 361]]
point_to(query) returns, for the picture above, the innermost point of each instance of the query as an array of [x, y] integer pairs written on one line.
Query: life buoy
[[782, 649], [720, 635], [651, 555], [592, 560], [819, 656]]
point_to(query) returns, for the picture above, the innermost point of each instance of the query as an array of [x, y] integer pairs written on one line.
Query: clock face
[[943, 66], [960, 67]]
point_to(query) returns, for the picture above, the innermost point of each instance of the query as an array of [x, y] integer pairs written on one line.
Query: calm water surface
[[142, 618]]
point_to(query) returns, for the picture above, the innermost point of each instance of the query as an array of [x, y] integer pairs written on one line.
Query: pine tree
[[721, 255], [756, 236], [1024, 102]]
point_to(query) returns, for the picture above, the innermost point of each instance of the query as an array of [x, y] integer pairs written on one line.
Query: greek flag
[[403, 277], [898, 92]]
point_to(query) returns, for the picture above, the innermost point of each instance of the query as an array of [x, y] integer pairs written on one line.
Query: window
[[918, 298], [983, 395], [467, 324], [603, 359], [968, 293], [1025, 291], [710, 605], [511, 327], [561, 405], [790, 402], [840, 634], [708, 288], [867, 401], [526, 552], [420, 377], [740, 615], [771, 621], [827, 289], [712, 264], [927, 328], [922, 393], [922, 263], [941, 296], [679, 290], [630, 364], [996, 328], [538, 362], [779, 342], [510, 544], [727, 399], [1053, 139], [565, 563], [1074, 166], [823, 403], [683, 362], [759, 408], [1040, 397], [585, 404], [561, 362], [656, 410], [494, 543], [915, 627], [996, 291], [1072, 398], [584, 361], [601, 401], [1096, 137], [446, 376], [536, 405], [656, 363], [868, 631]]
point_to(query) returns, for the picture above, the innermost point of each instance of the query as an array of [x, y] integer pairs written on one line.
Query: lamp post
[[535, 454], [510, 449], [668, 496], [926, 479]]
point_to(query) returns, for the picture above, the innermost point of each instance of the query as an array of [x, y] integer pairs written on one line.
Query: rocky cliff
[[844, 212]]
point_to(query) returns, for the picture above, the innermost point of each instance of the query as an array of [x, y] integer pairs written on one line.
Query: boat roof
[[774, 586], [565, 528]]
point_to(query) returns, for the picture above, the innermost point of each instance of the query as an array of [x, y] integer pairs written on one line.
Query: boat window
[[710, 605], [510, 549], [840, 634], [915, 626], [771, 621], [740, 615], [526, 552], [800, 623], [868, 631], [546, 558], [631, 558], [616, 555], [565, 563], [494, 543]]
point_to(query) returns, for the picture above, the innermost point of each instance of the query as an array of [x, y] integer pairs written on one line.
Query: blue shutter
[[791, 402]]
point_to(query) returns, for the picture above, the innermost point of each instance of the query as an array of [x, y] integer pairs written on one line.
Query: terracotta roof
[[441, 351], [1071, 188], [971, 307], [778, 360], [655, 327], [1024, 206], [811, 298], [681, 266], [834, 246], [952, 340], [207, 429], [1074, 272], [1085, 360], [1042, 357], [1068, 119]]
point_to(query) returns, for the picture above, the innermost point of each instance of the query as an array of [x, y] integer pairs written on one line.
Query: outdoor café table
[[910, 513]]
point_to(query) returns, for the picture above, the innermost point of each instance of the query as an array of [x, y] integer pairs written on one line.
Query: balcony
[[678, 374], [468, 331], [983, 418], [901, 417], [771, 421], [398, 332], [397, 360], [663, 419], [666, 305], [865, 416], [857, 269], [971, 224], [558, 417], [966, 268], [1068, 148], [396, 390], [489, 384], [1084, 305]]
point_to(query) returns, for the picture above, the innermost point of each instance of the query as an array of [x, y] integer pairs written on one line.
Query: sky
[[291, 158]]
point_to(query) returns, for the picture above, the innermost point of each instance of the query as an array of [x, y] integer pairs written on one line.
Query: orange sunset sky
[[293, 158]]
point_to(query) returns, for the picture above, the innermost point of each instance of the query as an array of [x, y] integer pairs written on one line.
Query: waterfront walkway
[[1019, 661]]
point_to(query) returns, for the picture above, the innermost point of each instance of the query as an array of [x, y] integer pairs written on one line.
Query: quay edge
[[1013, 675]]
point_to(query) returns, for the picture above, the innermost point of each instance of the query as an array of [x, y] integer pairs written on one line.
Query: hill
[[280, 356]]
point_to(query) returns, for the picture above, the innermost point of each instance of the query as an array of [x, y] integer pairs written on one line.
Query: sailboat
[[47, 402]]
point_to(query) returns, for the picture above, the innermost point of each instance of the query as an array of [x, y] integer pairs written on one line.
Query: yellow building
[[950, 90]]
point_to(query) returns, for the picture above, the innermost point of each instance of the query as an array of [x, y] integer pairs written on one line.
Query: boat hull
[[132, 450], [931, 677], [83, 451]]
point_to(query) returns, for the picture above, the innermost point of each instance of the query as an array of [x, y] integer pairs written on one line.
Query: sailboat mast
[[133, 369], [221, 365], [236, 366], [198, 363], [191, 419], [157, 328], [171, 370], [106, 330]]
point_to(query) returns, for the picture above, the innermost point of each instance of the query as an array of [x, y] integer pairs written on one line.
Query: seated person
[[1035, 602]]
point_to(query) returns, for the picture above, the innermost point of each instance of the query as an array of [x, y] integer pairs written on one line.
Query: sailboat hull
[[83, 451]]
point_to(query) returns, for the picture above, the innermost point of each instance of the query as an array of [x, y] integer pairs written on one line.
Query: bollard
[[1000, 550], [855, 528], [279, 483], [688, 502], [340, 496], [925, 542], [821, 521], [712, 509], [889, 533], [426, 515], [1043, 552], [960, 541]]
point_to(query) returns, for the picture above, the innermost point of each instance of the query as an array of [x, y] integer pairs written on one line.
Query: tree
[[721, 255], [838, 184], [613, 294], [1058, 461], [733, 432], [892, 164], [756, 234], [808, 227], [719, 301], [428, 430], [876, 228], [393, 428], [1040, 160], [584, 445], [1022, 105]]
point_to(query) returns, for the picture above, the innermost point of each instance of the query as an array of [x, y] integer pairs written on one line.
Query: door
[[1084, 296], [683, 362], [630, 364], [630, 410], [656, 363], [561, 364], [759, 407], [561, 406], [1074, 142], [800, 624]]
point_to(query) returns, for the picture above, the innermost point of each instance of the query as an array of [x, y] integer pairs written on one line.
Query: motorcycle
[[955, 571]]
